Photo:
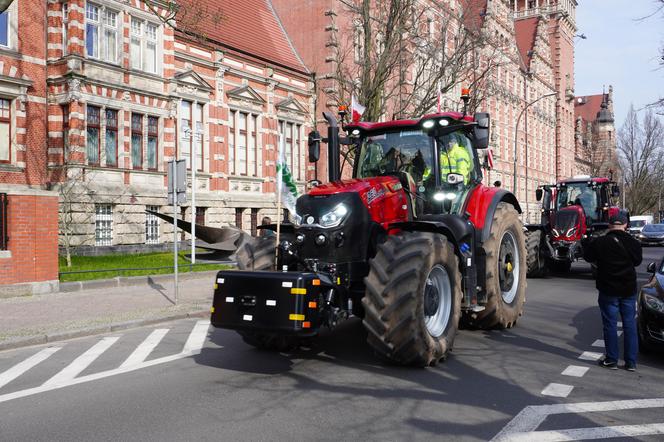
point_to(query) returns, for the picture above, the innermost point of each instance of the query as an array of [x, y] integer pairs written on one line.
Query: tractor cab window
[[406, 151], [456, 160], [580, 194]]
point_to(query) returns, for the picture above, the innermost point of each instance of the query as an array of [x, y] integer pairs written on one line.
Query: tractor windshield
[[581, 194], [409, 151]]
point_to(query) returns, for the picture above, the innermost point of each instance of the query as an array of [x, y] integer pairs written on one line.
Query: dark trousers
[[611, 306]]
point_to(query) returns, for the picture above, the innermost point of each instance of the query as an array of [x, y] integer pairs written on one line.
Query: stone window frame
[[144, 41], [234, 126], [12, 27], [93, 124], [197, 137], [8, 121], [151, 225], [152, 134], [300, 174], [109, 128], [103, 224], [102, 27], [137, 130]]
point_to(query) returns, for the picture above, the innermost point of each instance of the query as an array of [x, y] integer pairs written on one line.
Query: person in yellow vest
[[456, 160]]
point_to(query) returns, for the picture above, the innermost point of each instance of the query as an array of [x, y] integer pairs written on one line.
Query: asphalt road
[[337, 390]]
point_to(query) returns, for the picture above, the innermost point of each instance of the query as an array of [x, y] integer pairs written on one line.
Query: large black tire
[[410, 270], [257, 254], [504, 304], [535, 260]]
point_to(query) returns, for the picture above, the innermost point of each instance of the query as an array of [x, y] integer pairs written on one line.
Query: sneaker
[[630, 366], [608, 363]]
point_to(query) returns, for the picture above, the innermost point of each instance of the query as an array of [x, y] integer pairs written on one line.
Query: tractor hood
[[569, 224], [383, 196]]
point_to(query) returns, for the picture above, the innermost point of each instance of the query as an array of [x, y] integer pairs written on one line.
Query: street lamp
[[516, 140]]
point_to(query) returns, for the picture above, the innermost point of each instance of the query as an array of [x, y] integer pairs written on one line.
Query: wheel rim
[[508, 267], [437, 301]]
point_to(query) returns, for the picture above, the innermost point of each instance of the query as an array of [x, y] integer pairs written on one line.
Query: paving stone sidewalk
[[40, 319]]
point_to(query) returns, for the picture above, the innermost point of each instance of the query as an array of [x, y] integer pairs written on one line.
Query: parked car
[[650, 322], [638, 222], [652, 234]]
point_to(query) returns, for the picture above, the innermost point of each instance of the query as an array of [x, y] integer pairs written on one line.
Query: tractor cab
[[434, 159]]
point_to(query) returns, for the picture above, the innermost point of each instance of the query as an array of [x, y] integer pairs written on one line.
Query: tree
[[641, 153]]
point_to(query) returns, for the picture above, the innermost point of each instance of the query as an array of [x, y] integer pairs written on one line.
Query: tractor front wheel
[[413, 299], [505, 272], [536, 261]]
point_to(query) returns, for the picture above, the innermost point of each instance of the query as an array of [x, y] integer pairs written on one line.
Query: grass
[[104, 264]]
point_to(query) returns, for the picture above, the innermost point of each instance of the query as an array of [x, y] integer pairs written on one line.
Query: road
[[181, 381]]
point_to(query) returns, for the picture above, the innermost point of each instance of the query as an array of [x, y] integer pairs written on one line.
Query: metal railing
[[119, 272]]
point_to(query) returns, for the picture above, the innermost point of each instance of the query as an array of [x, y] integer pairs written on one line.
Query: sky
[[619, 50]]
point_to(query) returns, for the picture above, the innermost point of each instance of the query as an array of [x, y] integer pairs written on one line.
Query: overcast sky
[[619, 50]]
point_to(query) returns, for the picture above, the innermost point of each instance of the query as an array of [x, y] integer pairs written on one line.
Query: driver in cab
[[456, 159]]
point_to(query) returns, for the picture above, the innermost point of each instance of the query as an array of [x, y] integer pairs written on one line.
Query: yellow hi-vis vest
[[458, 161]]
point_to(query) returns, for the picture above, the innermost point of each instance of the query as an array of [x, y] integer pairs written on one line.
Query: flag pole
[[279, 184]]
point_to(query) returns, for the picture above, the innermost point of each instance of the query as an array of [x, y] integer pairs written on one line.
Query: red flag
[[489, 159], [356, 110]]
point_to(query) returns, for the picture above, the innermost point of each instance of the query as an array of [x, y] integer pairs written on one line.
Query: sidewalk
[[47, 318]]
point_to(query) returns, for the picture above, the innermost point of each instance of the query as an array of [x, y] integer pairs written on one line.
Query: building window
[[137, 141], [101, 33], [192, 134], [143, 45], [93, 132], [151, 226], [5, 130], [111, 139], [65, 25], [103, 224], [153, 137], [290, 137], [4, 29], [254, 221], [231, 144], [65, 131], [243, 143], [238, 217], [200, 216], [4, 221]]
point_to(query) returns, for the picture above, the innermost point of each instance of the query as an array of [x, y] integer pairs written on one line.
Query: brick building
[[28, 211], [595, 135], [128, 93]]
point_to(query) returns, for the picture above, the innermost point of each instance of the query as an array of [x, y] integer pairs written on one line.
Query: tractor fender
[[457, 229], [482, 205]]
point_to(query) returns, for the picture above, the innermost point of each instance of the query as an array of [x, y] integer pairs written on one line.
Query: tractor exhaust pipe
[[333, 166]]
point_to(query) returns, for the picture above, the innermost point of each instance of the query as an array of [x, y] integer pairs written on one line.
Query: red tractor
[[572, 209], [414, 243]]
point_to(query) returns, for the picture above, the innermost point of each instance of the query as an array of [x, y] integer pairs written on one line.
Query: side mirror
[[538, 194], [481, 130], [313, 183], [652, 267], [615, 191], [314, 146]]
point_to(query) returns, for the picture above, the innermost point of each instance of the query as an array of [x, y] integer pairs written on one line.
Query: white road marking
[[197, 337], [81, 363], [195, 342], [557, 390], [20, 368], [532, 416], [590, 433], [575, 370], [146, 347], [598, 343], [590, 356]]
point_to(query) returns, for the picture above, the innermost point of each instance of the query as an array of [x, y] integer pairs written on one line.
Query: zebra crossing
[[74, 371]]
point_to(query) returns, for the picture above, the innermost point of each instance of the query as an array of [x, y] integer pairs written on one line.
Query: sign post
[[177, 194]]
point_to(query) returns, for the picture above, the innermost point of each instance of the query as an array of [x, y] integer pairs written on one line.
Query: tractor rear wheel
[[536, 262], [413, 299], [505, 272], [257, 254]]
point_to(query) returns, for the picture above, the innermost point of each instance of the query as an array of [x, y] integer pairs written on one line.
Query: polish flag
[[489, 159], [356, 110]]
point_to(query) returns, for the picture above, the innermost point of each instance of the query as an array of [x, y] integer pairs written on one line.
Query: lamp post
[[516, 140]]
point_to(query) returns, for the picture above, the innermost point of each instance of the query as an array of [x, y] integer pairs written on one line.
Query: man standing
[[616, 254]]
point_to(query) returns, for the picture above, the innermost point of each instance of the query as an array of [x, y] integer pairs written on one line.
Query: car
[[652, 234], [637, 222], [650, 321]]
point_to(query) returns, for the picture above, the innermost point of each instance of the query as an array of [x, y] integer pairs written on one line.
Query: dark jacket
[[616, 275]]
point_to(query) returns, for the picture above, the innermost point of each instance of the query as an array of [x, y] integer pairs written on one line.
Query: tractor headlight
[[442, 196], [571, 231], [334, 217], [654, 303], [555, 232]]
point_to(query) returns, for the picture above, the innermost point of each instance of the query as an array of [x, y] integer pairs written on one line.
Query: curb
[[126, 281], [39, 339]]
